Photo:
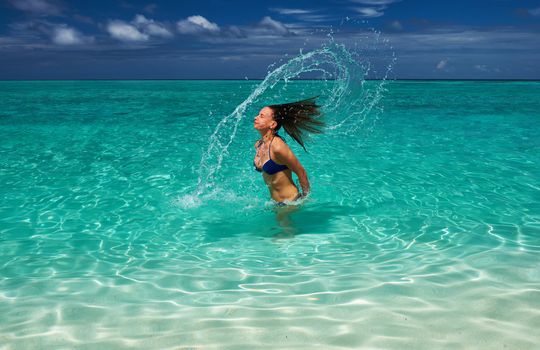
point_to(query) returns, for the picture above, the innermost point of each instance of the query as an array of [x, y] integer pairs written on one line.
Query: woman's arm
[[284, 155], [302, 177]]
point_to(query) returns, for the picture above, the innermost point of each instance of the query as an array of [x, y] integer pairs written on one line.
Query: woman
[[273, 156]]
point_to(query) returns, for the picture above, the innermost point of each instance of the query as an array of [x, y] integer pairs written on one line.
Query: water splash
[[346, 102]]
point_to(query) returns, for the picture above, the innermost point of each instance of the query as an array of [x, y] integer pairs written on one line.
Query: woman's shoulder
[[279, 145]]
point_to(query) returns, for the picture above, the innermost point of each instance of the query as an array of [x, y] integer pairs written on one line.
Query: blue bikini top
[[270, 167]]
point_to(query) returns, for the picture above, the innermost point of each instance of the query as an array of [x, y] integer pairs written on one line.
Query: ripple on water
[[425, 236]]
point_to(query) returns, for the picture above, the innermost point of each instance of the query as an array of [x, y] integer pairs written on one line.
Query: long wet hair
[[297, 118]]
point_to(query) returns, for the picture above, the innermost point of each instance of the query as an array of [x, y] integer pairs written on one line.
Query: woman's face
[[265, 119]]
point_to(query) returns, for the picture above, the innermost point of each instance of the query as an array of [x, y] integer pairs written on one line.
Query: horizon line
[[261, 79]]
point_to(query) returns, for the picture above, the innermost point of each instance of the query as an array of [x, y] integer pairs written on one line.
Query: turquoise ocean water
[[119, 230]]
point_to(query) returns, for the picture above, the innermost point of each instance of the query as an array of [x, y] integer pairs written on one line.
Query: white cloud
[[196, 25], [442, 64], [287, 11], [369, 12], [157, 30], [42, 7], [140, 20], [318, 18], [206, 31], [304, 15], [125, 32], [64, 35], [376, 7], [150, 27], [139, 29], [273, 26]]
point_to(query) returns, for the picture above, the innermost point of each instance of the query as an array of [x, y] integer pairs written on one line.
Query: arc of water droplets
[[347, 70], [308, 62]]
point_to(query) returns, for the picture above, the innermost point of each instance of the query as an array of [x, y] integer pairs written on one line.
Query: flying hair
[[299, 117]]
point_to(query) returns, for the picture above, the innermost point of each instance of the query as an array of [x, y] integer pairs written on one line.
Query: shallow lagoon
[[422, 231]]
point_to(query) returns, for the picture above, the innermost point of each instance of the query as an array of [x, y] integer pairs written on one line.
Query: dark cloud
[[150, 8], [38, 7], [535, 12], [83, 19], [41, 33], [375, 2]]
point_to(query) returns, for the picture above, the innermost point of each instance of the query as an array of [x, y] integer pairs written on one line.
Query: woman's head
[[265, 120], [296, 118]]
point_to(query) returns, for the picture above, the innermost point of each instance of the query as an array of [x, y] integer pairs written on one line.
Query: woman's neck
[[268, 136]]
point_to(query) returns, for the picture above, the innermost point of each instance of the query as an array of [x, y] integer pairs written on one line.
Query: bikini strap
[[269, 146]]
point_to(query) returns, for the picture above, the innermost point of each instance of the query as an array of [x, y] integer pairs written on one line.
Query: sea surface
[[119, 229]]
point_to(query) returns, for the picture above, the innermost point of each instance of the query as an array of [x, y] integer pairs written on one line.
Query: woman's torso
[[280, 183]]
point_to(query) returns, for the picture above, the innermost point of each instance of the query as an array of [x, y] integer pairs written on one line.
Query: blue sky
[[59, 39]]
